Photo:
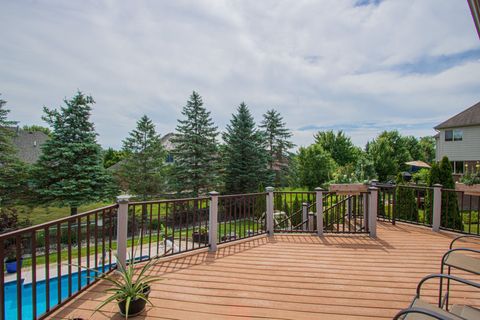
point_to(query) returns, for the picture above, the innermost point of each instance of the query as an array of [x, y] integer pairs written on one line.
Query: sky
[[362, 66]]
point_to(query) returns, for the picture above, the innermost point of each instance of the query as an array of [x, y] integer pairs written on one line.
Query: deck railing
[[49, 260], [460, 212], [241, 216]]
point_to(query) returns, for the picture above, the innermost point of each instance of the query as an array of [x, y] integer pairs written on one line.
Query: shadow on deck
[[292, 276]]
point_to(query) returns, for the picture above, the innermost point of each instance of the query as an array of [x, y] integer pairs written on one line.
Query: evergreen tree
[[142, 169], [195, 154], [13, 173], [278, 143], [244, 153], [70, 170], [405, 200]]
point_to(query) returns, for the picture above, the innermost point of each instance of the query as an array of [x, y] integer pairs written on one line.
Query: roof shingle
[[466, 118]]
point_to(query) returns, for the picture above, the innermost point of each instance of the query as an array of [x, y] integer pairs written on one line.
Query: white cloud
[[319, 63]]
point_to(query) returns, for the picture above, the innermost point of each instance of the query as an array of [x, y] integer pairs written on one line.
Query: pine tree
[[70, 170], [143, 166], [13, 173], [195, 154], [278, 143], [244, 154]]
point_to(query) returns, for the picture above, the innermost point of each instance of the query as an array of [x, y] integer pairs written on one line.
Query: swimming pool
[[41, 294]]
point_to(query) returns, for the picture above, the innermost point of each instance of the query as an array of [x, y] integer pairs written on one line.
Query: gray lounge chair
[[464, 258], [421, 310]]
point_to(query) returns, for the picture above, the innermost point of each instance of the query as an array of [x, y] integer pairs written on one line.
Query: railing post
[[372, 211], [365, 210], [122, 229], [319, 207], [311, 219], [269, 216], [213, 221], [437, 207], [304, 216]]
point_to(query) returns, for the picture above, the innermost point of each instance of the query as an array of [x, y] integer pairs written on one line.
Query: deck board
[[293, 276]]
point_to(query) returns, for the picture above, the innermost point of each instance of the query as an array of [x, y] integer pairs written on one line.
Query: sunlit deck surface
[[292, 277]]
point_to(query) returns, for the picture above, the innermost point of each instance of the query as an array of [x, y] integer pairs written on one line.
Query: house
[[28, 144], [458, 138]]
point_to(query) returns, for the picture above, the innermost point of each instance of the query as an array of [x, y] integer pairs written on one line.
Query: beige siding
[[467, 149]]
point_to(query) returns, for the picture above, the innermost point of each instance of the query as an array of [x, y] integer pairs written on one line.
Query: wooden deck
[[292, 277]]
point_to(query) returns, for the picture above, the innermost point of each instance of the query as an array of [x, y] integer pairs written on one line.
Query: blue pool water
[[41, 294]]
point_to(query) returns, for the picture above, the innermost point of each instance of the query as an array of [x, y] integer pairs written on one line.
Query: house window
[[453, 135], [457, 167], [457, 135]]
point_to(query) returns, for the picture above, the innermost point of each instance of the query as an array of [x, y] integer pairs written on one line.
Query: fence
[[167, 227], [57, 260], [460, 212], [48, 260], [342, 213], [241, 216]]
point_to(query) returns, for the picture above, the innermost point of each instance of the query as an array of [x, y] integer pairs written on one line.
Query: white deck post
[[122, 229], [304, 216], [437, 207], [269, 215], [319, 206], [213, 221], [372, 211]]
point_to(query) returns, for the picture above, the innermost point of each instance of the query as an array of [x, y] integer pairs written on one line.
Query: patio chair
[[464, 258], [420, 309]]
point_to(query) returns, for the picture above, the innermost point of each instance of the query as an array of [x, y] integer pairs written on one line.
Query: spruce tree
[[278, 143], [244, 154], [143, 166], [13, 173], [195, 154], [70, 170]]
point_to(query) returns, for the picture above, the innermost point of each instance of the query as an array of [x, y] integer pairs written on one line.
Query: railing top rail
[[54, 222], [308, 192], [242, 195], [414, 187], [451, 190], [167, 201]]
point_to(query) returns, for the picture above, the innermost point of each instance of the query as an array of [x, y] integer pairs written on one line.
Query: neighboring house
[[458, 138], [169, 146], [28, 144]]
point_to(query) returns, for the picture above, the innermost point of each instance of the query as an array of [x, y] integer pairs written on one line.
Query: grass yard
[[40, 215]]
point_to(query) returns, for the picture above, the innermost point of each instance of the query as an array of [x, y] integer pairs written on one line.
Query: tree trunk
[[73, 211]]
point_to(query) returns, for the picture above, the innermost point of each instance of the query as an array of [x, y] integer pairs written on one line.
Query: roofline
[[475, 10], [453, 127]]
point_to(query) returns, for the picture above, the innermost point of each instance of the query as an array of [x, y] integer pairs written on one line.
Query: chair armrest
[[445, 276], [458, 249], [464, 236], [433, 314]]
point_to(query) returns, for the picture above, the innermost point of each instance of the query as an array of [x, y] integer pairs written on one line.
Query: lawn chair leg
[[440, 291], [448, 288]]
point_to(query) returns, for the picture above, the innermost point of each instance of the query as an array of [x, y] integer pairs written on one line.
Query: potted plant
[[130, 288], [11, 259], [200, 235]]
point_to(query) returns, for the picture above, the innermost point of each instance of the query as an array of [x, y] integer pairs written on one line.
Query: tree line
[[72, 169]]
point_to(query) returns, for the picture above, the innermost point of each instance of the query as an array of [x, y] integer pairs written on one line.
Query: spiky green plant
[[129, 287]]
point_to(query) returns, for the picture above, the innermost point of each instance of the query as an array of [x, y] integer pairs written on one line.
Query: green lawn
[[240, 227], [40, 215]]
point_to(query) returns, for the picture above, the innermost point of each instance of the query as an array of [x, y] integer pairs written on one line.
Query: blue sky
[[356, 65]]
